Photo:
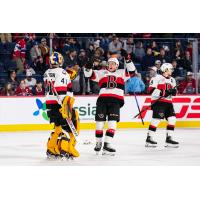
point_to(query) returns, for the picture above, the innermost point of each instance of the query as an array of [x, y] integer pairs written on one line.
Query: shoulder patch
[[64, 72]]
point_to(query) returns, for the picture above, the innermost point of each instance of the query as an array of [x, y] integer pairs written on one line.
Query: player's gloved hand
[[170, 92]]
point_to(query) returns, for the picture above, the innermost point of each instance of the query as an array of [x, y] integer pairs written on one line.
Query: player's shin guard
[[151, 132], [52, 144], [169, 132], [72, 150], [99, 135], [109, 137], [107, 148]]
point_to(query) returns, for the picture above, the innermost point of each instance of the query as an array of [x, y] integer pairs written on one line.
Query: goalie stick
[[69, 121]]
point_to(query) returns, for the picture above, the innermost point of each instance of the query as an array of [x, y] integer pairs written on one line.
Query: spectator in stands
[[178, 57], [22, 90], [7, 90], [98, 53], [187, 86], [44, 50], [134, 85], [19, 54], [158, 65], [152, 72], [70, 59], [30, 82], [12, 79], [154, 48], [82, 61], [139, 51], [189, 48], [128, 45], [176, 73], [162, 56], [187, 62], [90, 51], [104, 43], [38, 89], [178, 47], [115, 45], [5, 37], [148, 60], [35, 52]]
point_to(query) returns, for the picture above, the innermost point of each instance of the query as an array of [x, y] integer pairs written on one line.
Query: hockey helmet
[[56, 59], [115, 60], [166, 67]]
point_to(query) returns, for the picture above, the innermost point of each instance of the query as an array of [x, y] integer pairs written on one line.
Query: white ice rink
[[28, 148]]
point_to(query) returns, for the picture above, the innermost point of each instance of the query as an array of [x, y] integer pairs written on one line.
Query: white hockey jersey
[[61, 83], [160, 83], [111, 84]]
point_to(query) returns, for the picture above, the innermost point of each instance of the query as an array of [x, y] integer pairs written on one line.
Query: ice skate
[[64, 155], [171, 143], [150, 142], [98, 147], [51, 156], [108, 150]]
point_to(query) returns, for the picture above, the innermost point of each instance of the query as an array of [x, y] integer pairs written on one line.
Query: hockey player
[[58, 82], [163, 87], [110, 100]]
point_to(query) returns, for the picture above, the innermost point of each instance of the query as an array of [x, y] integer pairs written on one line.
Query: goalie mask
[[56, 59]]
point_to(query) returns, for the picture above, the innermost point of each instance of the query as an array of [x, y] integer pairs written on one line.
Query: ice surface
[[28, 148]]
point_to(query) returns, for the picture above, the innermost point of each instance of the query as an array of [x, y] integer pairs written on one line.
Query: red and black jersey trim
[[150, 90], [50, 102], [61, 90], [69, 87]]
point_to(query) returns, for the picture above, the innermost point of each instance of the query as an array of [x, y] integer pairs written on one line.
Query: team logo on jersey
[[161, 114], [101, 116], [41, 106]]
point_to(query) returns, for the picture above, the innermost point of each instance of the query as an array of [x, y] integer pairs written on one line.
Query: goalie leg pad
[[52, 144], [64, 145], [72, 143]]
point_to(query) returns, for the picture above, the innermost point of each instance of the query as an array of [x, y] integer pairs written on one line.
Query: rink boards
[[29, 113]]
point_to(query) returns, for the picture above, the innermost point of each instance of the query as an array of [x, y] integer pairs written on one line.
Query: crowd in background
[[25, 57]]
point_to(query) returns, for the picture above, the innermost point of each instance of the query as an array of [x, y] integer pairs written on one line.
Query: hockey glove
[[170, 92]]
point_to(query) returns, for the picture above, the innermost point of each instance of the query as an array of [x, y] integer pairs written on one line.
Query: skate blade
[[64, 159], [150, 145], [171, 145], [107, 153], [52, 157]]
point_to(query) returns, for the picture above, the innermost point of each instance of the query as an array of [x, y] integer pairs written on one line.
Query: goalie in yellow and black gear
[[62, 142]]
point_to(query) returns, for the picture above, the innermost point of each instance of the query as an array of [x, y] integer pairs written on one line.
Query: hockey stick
[[140, 113], [135, 95], [151, 105], [69, 121]]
